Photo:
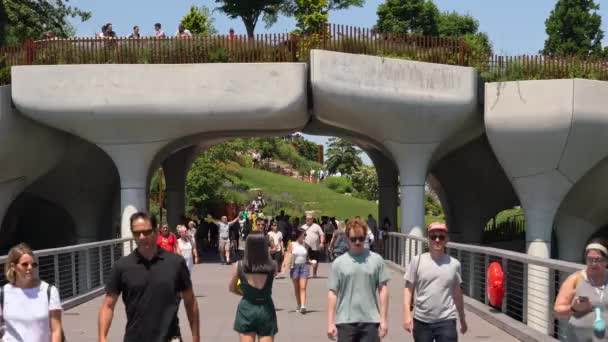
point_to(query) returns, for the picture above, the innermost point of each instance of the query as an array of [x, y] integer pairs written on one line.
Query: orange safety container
[[495, 283]]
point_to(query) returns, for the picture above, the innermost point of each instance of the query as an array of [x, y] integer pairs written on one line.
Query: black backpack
[[48, 296]]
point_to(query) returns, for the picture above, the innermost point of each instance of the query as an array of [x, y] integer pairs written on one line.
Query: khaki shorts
[[223, 245]]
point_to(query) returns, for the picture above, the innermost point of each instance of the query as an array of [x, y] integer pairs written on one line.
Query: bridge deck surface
[[218, 307]]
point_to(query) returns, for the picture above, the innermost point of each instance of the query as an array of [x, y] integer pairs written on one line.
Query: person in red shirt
[[167, 240]]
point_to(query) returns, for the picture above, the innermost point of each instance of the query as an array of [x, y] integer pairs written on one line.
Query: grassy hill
[[296, 196]]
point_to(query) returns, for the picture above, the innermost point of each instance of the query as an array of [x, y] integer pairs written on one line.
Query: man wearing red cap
[[434, 278]]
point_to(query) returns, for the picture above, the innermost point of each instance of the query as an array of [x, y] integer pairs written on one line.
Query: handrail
[[73, 248], [79, 271], [559, 265]]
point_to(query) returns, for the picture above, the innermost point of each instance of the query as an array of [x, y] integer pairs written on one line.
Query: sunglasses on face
[[592, 260], [146, 232], [354, 239], [26, 264], [434, 237]]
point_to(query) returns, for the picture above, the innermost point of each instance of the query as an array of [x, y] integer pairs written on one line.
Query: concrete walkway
[[218, 307]]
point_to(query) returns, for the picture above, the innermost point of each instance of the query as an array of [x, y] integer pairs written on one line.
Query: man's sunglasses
[[354, 239], [434, 237], [146, 232]]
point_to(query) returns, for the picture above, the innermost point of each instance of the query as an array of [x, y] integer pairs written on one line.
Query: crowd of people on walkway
[[154, 279]]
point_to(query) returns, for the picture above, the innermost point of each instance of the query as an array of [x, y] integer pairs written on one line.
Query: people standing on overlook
[[315, 241], [357, 308], [297, 261], [581, 298], [433, 279], [232, 36], [135, 34], [252, 279], [159, 33], [182, 32], [223, 245], [187, 248], [152, 282], [109, 32], [30, 309]]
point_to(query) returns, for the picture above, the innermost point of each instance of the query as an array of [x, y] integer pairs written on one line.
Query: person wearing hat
[[434, 282]]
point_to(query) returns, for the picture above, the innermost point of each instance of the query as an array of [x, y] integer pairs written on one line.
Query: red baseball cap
[[438, 226]]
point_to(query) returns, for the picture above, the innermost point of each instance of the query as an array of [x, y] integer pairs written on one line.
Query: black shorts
[[361, 332], [314, 255]]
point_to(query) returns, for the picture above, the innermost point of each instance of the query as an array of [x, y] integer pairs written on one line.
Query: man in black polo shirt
[[151, 281]]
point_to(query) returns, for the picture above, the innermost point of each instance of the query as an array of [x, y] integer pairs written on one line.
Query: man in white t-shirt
[[435, 279], [315, 241], [223, 245]]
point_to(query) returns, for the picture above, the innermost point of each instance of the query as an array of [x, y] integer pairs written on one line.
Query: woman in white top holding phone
[[583, 297]]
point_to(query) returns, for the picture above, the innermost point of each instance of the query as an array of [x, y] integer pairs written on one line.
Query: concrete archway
[[37, 222]]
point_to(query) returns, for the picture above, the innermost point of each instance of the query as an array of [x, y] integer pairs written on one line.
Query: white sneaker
[[298, 308], [302, 310]]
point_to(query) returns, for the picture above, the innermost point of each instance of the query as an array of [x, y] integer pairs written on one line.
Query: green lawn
[[296, 196]]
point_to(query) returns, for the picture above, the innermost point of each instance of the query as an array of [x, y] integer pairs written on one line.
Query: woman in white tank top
[[296, 260], [187, 247]]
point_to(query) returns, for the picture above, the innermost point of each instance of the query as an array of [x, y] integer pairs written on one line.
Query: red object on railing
[[495, 284]]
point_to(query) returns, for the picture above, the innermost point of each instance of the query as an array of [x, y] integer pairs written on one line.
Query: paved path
[[218, 307]]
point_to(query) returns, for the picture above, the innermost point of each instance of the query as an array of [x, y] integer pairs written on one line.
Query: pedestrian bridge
[[80, 272]]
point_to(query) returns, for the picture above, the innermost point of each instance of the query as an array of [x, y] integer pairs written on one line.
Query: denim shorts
[[299, 271]]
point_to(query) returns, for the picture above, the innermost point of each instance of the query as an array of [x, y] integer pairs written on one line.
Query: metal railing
[[80, 271], [531, 283]]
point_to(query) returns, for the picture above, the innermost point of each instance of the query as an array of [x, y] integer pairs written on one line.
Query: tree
[[29, 19], [457, 26], [310, 15], [199, 21], [365, 181], [343, 157], [250, 11], [408, 16], [306, 149], [573, 28]]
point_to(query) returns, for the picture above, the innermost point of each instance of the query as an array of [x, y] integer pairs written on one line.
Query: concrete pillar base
[[133, 162]]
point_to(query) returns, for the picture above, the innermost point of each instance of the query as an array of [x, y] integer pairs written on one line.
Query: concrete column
[[388, 187], [541, 196], [413, 161], [133, 163], [176, 169]]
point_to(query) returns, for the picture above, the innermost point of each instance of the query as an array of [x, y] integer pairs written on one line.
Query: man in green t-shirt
[[360, 316]]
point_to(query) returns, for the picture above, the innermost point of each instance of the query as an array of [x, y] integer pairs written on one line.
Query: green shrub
[[340, 185]]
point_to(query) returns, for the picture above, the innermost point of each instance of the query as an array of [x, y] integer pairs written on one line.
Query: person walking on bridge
[[152, 282], [357, 308], [30, 309], [223, 246], [435, 279], [252, 279], [582, 297], [315, 241]]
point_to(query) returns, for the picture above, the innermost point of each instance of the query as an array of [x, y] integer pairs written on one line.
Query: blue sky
[[514, 26]]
